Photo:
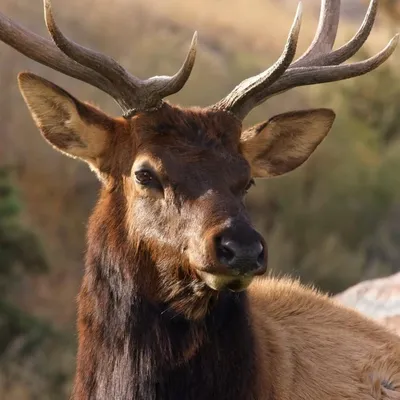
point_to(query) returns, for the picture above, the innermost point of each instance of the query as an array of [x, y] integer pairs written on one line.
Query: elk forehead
[[191, 150], [195, 125]]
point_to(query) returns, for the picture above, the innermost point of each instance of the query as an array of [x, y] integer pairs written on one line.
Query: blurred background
[[333, 223]]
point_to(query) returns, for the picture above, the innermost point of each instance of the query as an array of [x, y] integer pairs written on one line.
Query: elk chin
[[223, 282]]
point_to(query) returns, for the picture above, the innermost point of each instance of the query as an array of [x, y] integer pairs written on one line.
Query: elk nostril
[[241, 255], [224, 253], [261, 256]]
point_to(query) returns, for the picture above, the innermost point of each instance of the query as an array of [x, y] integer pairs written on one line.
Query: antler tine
[[323, 74], [167, 85], [240, 100], [351, 47], [326, 32], [319, 64], [101, 63], [133, 94], [45, 52], [99, 70]]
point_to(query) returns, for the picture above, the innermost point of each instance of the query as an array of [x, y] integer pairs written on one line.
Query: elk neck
[[132, 346]]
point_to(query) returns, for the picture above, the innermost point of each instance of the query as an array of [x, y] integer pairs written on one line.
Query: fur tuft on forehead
[[195, 126]]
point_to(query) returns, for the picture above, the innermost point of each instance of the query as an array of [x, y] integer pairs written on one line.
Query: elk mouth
[[221, 282]]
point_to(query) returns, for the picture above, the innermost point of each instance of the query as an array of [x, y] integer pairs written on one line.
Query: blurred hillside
[[333, 222]]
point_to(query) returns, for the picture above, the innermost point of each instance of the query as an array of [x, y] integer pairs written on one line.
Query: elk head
[[183, 173]]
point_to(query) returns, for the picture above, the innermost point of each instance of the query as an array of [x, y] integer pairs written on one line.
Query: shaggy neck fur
[[132, 347]]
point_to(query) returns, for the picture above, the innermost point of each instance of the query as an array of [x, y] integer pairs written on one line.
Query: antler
[[99, 70], [318, 64]]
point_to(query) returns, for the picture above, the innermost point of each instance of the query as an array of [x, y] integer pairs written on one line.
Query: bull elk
[[172, 305]]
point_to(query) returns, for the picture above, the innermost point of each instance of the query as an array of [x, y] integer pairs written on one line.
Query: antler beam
[[94, 68], [319, 64]]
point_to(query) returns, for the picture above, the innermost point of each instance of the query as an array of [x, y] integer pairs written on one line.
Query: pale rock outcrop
[[376, 298]]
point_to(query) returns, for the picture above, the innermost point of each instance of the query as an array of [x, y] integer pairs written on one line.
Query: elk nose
[[243, 256]]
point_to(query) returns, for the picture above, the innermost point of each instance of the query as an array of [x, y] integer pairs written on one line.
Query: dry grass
[[260, 25]]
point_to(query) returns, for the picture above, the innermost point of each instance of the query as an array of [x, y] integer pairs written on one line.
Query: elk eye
[[145, 178], [249, 185]]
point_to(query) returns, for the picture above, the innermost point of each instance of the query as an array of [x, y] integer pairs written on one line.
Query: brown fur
[[149, 326], [324, 350], [285, 141]]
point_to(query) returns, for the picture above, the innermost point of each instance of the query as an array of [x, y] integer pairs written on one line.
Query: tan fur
[[285, 141], [315, 348], [56, 115]]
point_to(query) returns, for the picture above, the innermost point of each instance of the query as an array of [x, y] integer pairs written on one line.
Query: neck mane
[[132, 347]]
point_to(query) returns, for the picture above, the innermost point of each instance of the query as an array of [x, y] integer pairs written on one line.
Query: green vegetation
[[20, 253], [22, 335]]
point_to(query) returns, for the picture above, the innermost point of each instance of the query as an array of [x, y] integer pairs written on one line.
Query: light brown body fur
[[316, 348]]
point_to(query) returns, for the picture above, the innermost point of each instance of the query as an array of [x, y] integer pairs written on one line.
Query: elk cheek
[[197, 253]]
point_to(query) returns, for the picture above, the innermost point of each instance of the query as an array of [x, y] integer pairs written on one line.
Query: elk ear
[[74, 128], [285, 142]]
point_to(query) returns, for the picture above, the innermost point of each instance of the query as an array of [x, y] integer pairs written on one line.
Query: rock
[[376, 298]]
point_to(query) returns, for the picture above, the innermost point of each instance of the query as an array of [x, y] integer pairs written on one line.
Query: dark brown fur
[[134, 345], [145, 332]]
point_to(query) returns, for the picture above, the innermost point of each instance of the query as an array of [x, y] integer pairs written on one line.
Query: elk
[[174, 304]]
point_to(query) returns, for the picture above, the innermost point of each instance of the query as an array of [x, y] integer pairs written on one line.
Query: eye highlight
[[145, 177]]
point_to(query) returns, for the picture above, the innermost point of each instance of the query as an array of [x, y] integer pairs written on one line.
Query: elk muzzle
[[239, 253]]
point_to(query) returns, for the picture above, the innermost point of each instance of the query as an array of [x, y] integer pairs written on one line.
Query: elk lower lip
[[221, 282]]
